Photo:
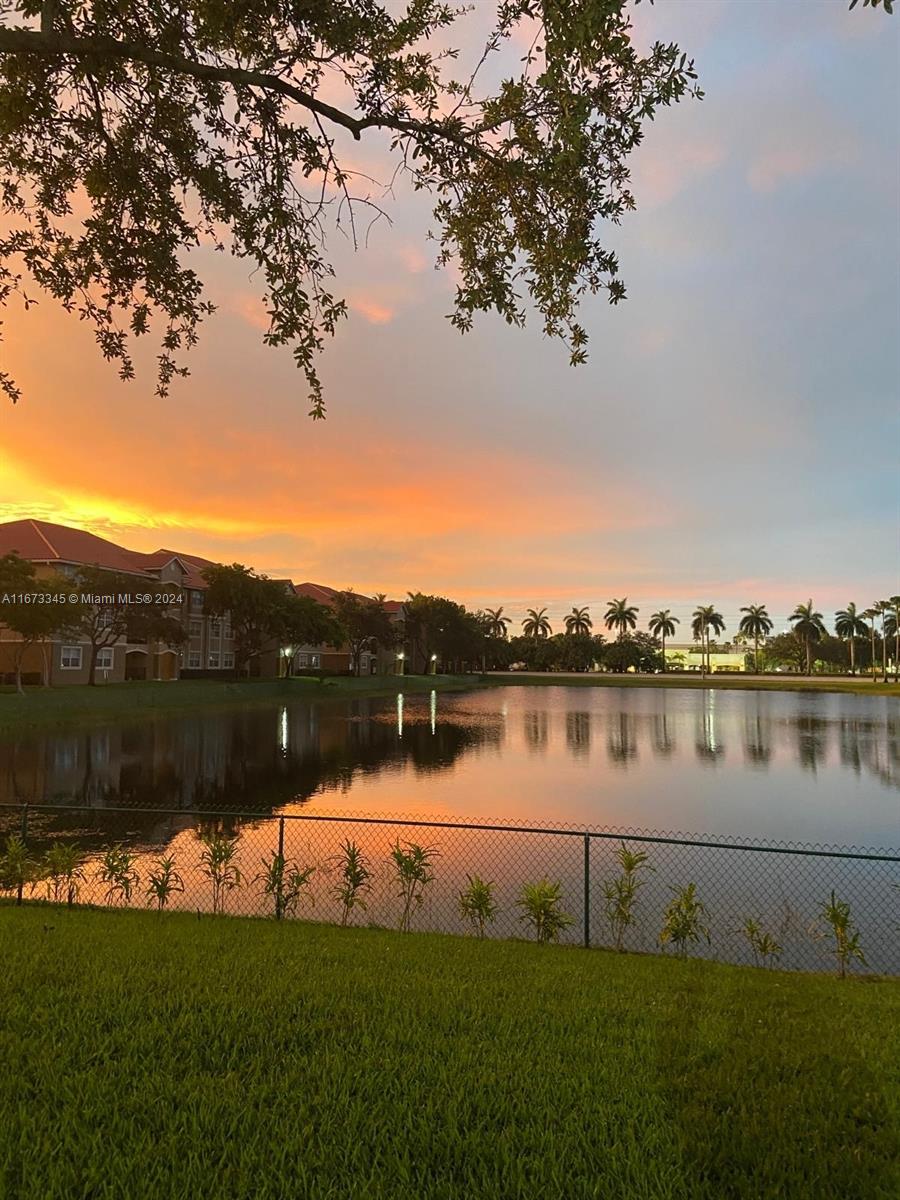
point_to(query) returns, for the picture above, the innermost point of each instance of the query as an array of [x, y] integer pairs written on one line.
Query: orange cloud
[[374, 311]]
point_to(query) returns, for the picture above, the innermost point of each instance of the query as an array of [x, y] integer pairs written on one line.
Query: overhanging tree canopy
[[133, 130]]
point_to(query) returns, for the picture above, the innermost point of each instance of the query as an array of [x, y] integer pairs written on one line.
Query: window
[[228, 660], [314, 660], [302, 660], [215, 629], [214, 660], [226, 629], [195, 660], [70, 658], [105, 619], [196, 599], [195, 627], [105, 658]]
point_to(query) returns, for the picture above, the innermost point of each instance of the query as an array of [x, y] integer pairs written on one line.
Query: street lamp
[[434, 664], [400, 662]]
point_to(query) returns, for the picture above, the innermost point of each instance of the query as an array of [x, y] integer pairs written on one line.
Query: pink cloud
[[251, 309], [661, 173], [375, 311]]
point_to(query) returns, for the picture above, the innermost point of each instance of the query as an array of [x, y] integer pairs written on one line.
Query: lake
[[801, 768]]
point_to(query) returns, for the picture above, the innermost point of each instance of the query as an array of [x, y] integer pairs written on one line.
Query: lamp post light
[[401, 663], [288, 652], [433, 670]]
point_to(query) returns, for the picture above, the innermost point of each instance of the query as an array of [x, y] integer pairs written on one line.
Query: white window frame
[[192, 664], [195, 627], [226, 630], [71, 652], [106, 660], [196, 599], [215, 661], [215, 628], [228, 660], [314, 660]]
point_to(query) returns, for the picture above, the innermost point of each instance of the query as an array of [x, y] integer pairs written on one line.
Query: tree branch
[[53, 45]]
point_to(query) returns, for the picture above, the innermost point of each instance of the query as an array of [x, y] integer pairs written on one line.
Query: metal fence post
[[279, 895], [587, 891], [24, 835]]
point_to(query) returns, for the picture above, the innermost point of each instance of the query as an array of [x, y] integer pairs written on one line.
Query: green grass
[[725, 681], [41, 707], [223, 1057]]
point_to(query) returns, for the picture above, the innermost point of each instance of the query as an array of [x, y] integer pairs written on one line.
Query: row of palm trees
[[850, 624]]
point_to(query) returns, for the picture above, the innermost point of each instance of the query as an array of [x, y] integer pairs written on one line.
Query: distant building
[[688, 657], [208, 649]]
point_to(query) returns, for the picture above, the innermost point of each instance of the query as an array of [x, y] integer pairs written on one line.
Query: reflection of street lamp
[[434, 664], [400, 662]]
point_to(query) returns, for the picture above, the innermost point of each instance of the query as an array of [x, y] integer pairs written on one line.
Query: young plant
[[286, 884], [17, 867], [353, 879], [63, 870], [477, 905], [846, 935], [118, 872], [163, 882], [412, 867], [620, 894], [766, 949], [541, 905], [683, 923], [217, 861]]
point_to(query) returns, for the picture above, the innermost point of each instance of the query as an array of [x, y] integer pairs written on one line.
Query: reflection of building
[[208, 649]]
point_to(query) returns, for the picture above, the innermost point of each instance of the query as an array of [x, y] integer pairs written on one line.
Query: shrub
[[846, 935], [353, 879], [63, 871], [217, 863], [163, 882], [620, 894], [763, 944], [412, 867], [476, 904], [683, 921], [541, 905], [118, 872], [17, 868], [285, 883]]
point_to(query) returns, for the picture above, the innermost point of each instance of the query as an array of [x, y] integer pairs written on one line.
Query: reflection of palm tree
[[495, 623], [662, 625], [756, 623], [536, 624], [849, 625], [620, 615], [536, 727], [621, 743], [705, 619], [809, 627], [578, 732], [579, 621]]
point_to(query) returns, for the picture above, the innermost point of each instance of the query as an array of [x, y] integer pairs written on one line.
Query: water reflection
[[578, 734], [536, 729], [621, 738]]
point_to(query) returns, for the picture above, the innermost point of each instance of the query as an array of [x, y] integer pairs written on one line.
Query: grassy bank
[[723, 682], [171, 1056], [41, 707]]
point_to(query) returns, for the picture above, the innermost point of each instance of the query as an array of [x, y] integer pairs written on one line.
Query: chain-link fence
[[400, 872]]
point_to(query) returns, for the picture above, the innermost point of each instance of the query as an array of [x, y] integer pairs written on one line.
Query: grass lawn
[[41, 707], [717, 682], [177, 1057]]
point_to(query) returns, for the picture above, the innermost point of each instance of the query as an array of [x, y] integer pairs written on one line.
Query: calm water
[[786, 766]]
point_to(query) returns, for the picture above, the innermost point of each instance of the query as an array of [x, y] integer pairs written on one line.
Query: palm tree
[[536, 624], [705, 619], [895, 623], [883, 608], [620, 615], [870, 615], [756, 624], [662, 625], [495, 623], [849, 625], [579, 621], [809, 627]]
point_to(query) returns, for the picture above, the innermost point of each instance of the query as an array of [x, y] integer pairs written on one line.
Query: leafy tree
[[536, 623], [180, 124], [538, 654], [253, 603], [662, 625], [579, 622], [364, 623], [620, 615], [637, 651], [103, 620], [784, 650], [705, 619], [36, 620], [300, 621], [848, 624], [576, 651], [809, 628], [757, 624]]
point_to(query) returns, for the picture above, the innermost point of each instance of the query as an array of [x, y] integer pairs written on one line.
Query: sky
[[733, 439]]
